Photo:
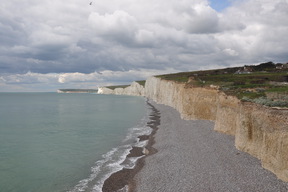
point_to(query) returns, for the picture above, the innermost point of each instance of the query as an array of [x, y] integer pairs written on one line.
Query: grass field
[[264, 84]]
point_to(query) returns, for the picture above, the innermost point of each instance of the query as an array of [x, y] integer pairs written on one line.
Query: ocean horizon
[[53, 142]]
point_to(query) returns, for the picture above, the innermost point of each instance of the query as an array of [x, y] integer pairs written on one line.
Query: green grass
[[280, 89], [244, 79], [250, 86], [117, 86], [250, 95], [178, 77], [142, 82], [124, 86]]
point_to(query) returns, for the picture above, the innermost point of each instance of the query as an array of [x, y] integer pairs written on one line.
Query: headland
[[248, 103]]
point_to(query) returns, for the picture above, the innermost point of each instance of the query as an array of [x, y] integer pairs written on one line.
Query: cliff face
[[263, 132], [260, 131], [192, 103], [134, 89], [227, 111], [104, 90]]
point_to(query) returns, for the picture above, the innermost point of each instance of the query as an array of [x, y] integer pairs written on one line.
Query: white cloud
[[102, 77], [230, 52], [53, 81], [263, 36], [72, 40], [29, 78], [78, 77], [117, 22], [201, 19]]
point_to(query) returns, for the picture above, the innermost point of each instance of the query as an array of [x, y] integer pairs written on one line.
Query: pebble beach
[[191, 156]]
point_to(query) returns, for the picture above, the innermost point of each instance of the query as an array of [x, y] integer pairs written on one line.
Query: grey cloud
[[12, 32], [202, 19], [51, 36]]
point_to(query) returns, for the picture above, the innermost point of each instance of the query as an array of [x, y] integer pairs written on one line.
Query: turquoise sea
[[52, 142]]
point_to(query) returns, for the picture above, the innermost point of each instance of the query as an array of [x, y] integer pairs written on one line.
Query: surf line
[[123, 180]]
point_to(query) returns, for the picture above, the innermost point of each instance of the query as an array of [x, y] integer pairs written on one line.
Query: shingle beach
[[192, 157]]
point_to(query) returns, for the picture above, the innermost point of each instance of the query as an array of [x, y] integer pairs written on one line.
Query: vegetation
[[266, 84], [142, 82], [268, 102], [124, 86], [117, 86]]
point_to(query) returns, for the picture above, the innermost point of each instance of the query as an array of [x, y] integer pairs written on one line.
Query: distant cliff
[[134, 89], [77, 90], [259, 130]]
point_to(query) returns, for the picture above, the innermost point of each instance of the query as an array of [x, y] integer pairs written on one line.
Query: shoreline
[[123, 180], [193, 157]]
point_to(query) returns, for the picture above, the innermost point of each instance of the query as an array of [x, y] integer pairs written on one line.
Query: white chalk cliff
[[135, 89], [260, 131]]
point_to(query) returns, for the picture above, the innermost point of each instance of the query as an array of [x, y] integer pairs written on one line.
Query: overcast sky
[[51, 44]]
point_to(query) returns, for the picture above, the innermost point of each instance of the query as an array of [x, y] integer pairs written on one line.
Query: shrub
[[267, 102]]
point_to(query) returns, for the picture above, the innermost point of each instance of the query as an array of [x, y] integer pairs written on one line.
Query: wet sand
[[192, 157]]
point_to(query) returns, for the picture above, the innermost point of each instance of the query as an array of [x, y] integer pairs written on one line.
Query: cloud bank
[[53, 44]]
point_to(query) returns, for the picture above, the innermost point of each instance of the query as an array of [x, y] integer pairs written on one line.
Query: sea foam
[[116, 159]]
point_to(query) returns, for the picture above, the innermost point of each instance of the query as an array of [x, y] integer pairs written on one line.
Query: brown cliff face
[[192, 103], [260, 131], [263, 132], [227, 114], [199, 103]]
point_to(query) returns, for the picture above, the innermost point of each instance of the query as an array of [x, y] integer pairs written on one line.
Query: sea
[[72, 142]]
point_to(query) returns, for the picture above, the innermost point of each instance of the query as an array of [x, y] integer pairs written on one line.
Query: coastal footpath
[[259, 130]]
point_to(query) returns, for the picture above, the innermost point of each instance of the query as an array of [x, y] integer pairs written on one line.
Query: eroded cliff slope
[[260, 131], [134, 89]]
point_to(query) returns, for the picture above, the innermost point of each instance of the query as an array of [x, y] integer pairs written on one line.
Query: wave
[[116, 159]]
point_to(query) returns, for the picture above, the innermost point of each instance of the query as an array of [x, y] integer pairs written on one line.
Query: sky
[[50, 44]]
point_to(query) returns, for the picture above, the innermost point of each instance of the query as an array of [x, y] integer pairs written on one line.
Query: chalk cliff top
[[266, 83]]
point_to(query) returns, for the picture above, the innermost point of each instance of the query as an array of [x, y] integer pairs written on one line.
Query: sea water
[[52, 142]]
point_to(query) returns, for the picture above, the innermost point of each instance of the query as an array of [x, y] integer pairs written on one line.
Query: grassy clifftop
[[124, 86], [266, 83]]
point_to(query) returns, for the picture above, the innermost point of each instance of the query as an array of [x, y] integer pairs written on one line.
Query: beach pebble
[[192, 157]]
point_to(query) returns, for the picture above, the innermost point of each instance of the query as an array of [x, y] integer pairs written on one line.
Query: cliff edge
[[259, 130], [135, 89]]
